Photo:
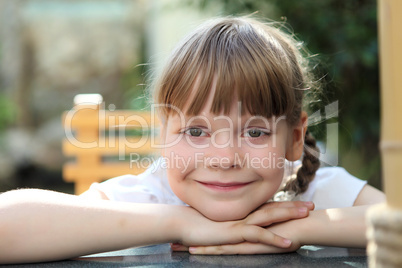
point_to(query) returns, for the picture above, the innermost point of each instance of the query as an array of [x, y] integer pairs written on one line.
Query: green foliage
[[135, 95], [134, 81], [7, 112], [344, 33]]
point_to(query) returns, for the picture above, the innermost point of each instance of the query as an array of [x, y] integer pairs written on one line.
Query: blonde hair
[[259, 64]]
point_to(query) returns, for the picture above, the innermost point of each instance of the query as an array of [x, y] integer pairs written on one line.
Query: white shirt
[[332, 187]]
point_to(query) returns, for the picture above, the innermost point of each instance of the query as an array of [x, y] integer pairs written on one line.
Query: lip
[[224, 186]]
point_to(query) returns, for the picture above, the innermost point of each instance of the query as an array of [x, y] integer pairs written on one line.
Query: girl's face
[[225, 166]]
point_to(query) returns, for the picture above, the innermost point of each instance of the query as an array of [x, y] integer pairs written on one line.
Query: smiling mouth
[[219, 186]]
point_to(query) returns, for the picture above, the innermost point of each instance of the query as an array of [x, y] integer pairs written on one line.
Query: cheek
[[177, 184], [276, 178], [270, 159], [179, 162], [269, 164], [179, 158]]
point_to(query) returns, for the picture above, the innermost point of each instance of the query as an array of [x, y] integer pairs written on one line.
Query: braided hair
[[310, 164]]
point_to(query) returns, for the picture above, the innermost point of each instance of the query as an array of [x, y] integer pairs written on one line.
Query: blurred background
[[51, 50]]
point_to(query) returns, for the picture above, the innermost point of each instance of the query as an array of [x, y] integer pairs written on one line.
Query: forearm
[[343, 227], [37, 225]]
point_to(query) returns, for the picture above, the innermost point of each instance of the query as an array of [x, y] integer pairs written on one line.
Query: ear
[[295, 145]]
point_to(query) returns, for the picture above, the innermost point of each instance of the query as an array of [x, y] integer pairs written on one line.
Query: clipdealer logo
[[328, 149]]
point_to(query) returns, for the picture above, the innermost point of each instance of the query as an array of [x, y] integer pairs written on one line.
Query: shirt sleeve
[[333, 187], [148, 187]]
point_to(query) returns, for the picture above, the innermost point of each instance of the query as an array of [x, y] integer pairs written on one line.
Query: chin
[[219, 215]]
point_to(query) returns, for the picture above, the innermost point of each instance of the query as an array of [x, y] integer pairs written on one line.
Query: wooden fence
[[103, 144]]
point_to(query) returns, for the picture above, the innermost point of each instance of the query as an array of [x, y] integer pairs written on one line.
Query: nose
[[223, 152]]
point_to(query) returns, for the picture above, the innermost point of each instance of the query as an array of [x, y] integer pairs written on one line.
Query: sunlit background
[[51, 50]]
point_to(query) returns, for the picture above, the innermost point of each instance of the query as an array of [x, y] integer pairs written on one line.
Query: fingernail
[[309, 203], [287, 242], [192, 250], [303, 210]]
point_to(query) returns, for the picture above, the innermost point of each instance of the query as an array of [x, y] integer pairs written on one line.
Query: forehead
[[225, 62], [212, 104], [215, 98], [233, 117]]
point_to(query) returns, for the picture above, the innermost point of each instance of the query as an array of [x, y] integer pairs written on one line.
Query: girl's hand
[[247, 236], [336, 227], [246, 247]]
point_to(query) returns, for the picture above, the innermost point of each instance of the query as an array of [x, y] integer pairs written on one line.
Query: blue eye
[[195, 132]]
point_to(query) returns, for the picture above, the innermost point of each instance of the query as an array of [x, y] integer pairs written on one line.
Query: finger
[[268, 216], [242, 248], [255, 234], [289, 204], [178, 247]]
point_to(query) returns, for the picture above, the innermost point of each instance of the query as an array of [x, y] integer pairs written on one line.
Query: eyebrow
[[256, 120], [197, 121], [249, 119]]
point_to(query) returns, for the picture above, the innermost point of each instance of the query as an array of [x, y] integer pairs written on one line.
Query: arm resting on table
[[39, 225]]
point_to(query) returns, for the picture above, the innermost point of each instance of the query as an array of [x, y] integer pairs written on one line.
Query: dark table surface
[[162, 256]]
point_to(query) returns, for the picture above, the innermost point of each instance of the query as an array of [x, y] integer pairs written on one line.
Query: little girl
[[230, 103]]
